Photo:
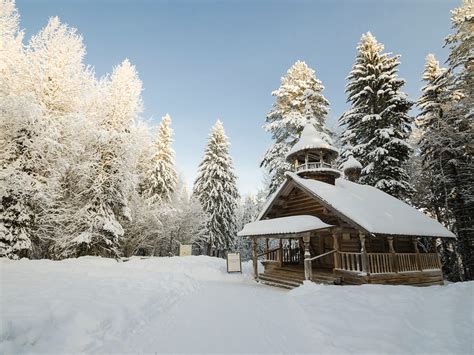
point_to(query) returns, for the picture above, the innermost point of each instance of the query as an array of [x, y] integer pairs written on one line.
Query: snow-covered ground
[[191, 304]]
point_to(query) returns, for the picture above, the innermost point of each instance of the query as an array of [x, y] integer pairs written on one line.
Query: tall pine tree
[[160, 177], [377, 126], [458, 137], [298, 99], [215, 188], [430, 180], [430, 124]]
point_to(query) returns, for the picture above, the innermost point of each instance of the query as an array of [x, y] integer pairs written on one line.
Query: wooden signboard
[[234, 263], [185, 249]]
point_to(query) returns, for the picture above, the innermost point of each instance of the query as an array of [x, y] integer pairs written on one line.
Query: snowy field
[[191, 304]]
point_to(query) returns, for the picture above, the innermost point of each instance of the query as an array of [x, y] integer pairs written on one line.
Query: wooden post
[[336, 248], [394, 256], [435, 250], [289, 250], [267, 247], [363, 252], [417, 251], [301, 250], [306, 160], [280, 253], [254, 258], [307, 263]]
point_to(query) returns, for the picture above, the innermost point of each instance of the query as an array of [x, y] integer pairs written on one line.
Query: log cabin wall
[[298, 202], [403, 245], [322, 242], [349, 241], [377, 244]]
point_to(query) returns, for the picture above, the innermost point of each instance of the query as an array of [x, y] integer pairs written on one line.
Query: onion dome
[[313, 156], [311, 139], [352, 168]]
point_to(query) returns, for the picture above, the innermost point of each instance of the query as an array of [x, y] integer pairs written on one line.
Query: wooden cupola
[[314, 157]]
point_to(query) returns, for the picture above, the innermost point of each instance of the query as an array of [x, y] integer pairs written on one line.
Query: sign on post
[[185, 249], [234, 263]]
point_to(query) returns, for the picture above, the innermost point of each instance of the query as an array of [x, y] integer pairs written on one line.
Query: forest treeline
[[83, 174]]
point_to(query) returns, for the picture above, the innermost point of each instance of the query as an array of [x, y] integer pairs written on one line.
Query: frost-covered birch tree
[[215, 188], [248, 211], [160, 175], [34, 106], [298, 99], [102, 200], [377, 126]]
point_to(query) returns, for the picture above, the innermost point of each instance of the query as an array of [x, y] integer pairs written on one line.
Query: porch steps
[[290, 278], [279, 281]]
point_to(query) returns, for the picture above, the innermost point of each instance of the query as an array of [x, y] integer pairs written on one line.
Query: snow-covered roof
[[283, 225], [311, 139], [370, 208]]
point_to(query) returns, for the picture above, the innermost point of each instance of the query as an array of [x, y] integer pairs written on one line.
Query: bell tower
[[313, 157]]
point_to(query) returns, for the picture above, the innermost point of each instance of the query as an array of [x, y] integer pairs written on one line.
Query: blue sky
[[206, 60]]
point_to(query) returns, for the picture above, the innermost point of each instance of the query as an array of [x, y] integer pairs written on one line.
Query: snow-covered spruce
[[160, 175], [215, 188], [430, 124], [377, 125], [457, 158], [298, 99]]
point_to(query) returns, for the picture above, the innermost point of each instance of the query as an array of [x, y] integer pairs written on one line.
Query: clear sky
[[206, 60]]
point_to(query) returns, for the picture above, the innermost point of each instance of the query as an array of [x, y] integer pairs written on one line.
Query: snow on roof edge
[[442, 231], [369, 228], [283, 225]]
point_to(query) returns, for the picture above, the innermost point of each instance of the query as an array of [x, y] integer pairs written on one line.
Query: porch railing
[[351, 261], [288, 255], [270, 255], [429, 261], [291, 255], [308, 267], [382, 263], [315, 165], [407, 262]]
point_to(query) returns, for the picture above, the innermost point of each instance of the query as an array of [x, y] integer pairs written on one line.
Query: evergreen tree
[[298, 99], [430, 124], [457, 138], [215, 188], [428, 171], [21, 186], [161, 178], [377, 126]]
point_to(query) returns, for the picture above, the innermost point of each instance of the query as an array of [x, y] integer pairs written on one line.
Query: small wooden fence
[[382, 263]]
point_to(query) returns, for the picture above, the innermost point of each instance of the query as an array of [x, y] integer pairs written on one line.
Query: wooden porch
[[318, 257]]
